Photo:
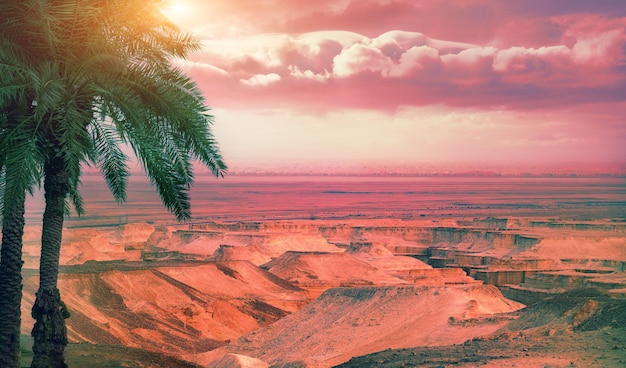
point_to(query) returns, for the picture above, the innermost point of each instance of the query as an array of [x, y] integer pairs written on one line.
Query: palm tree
[[104, 80], [20, 43], [15, 180]]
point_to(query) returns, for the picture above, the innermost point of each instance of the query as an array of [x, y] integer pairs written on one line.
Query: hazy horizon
[[295, 168], [261, 197]]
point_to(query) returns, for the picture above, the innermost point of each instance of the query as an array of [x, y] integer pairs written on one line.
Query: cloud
[[517, 80], [261, 79], [308, 74], [599, 50], [523, 60], [359, 58], [399, 68]]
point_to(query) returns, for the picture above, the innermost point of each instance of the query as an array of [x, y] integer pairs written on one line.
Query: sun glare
[[176, 10]]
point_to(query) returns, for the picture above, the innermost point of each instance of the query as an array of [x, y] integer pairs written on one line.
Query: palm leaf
[[110, 158], [21, 173]]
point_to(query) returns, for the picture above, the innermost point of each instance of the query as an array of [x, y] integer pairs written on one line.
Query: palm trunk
[[49, 333], [11, 281]]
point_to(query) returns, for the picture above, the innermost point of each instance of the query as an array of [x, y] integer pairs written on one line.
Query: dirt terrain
[[440, 291], [579, 328], [84, 355]]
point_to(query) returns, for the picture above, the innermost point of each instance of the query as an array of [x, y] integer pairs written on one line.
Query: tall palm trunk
[[49, 333], [11, 280]]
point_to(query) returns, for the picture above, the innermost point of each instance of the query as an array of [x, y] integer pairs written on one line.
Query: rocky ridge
[[237, 292]]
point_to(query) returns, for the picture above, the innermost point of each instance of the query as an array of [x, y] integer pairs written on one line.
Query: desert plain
[[347, 272]]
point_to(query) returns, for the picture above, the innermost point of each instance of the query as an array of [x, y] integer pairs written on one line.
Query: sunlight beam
[[177, 10]]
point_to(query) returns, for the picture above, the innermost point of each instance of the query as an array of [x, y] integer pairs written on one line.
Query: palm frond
[[75, 197], [48, 88], [22, 173], [2, 185], [110, 158], [171, 186], [176, 98]]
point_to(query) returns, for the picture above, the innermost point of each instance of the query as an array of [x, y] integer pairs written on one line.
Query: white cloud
[[261, 79], [596, 50], [295, 72], [359, 58], [521, 59], [417, 58], [188, 65]]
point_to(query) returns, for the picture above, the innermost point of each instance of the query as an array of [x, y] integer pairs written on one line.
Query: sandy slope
[[580, 328], [318, 271], [345, 322], [169, 309]]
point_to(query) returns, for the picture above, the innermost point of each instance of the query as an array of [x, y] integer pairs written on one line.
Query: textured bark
[[49, 333], [49, 312], [11, 284]]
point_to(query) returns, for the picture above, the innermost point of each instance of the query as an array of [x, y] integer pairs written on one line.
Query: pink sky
[[412, 83]]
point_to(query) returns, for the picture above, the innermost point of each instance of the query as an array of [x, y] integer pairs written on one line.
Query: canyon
[[322, 282], [320, 292]]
